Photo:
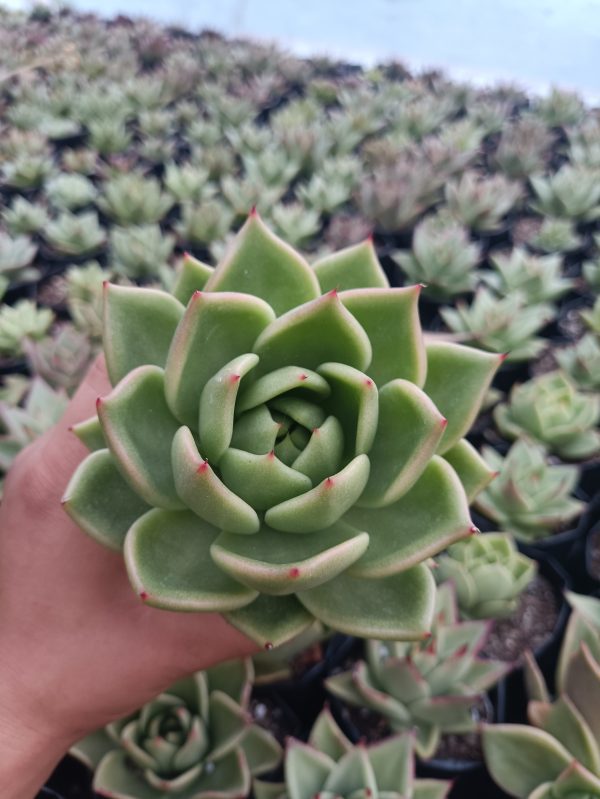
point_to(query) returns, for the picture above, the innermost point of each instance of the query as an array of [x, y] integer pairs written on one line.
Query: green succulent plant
[[523, 147], [430, 687], [560, 107], [20, 321], [27, 171], [193, 741], [482, 203], [203, 223], [332, 186], [140, 251], [70, 192], [584, 143], [24, 217], [132, 199], [188, 183], [591, 273], [500, 324], [274, 495], [61, 358], [442, 257], [571, 193], [16, 256], [537, 278], [270, 167], [109, 135], [489, 575], [550, 410], [530, 498], [82, 161], [581, 361], [592, 317], [85, 297], [295, 223], [556, 235], [329, 764], [242, 194], [75, 234]]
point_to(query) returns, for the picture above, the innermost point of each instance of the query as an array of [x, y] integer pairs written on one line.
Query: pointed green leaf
[[204, 492], [431, 789], [138, 328], [323, 505], [191, 582], [215, 329], [323, 453], [392, 762], [472, 470], [217, 406], [100, 501], [89, 432], [260, 263], [302, 411], [271, 621], [269, 790], [458, 378], [262, 751], [408, 432], [564, 721], [261, 480], [582, 686], [228, 724], [91, 749], [354, 267], [233, 678], [576, 781], [255, 431], [278, 382], [278, 564], [139, 430], [192, 277], [311, 334], [399, 607], [352, 772], [327, 737], [306, 770], [390, 318]]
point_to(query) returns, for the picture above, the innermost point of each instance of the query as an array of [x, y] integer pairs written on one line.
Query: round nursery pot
[[69, 780]]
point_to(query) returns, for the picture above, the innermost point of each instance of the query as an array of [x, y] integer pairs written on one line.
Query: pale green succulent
[[139, 251], [188, 183], [70, 192], [243, 194], [531, 497], [286, 424], [20, 321], [523, 147], [203, 223], [581, 361], [556, 235], [537, 278], [85, 297], [75, 234], [332, 186], [82, 161], [270, 167], [500, 324], [157, 150], [295, 223], [27, 171], [24, 217], [489, 575], [591, 273], [132, 199], [571, 193], [481, 203], [193, 741], [329, 765], [61, 358], [109, 134], [429, 687], [560, 107], [592, 317], [442, 257], [550, 410], [16, 257], [584, 143]]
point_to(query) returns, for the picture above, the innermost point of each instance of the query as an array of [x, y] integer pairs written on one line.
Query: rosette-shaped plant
[[550, 410], [430, 687], [581, 361], [489, 574], [530, 497], [571, 193], [194, 741], [329, 765], [277, 453], [538, 278]]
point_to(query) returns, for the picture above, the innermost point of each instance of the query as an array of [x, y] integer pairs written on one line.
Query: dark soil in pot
[[271, 711], [71, 780]]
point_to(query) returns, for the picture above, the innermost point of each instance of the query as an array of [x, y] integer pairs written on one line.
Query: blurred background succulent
[[140, 251], [571, 193], [581, 361], [538, 278], [22, 320], [75, 235], [481, 203], [555, 235], [132, 199]]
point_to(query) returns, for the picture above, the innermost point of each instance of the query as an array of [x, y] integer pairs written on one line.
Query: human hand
[[77, 647]]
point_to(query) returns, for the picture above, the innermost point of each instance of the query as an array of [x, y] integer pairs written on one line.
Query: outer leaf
[[520, 758], [138, 327], [91, 749], [431, 789], [306, 770], [278, 564], [426, 520], [191, 582], [100, 501], [392, 762], [352, 772], [457, 380], [472, 470], [262, 264], [354, 267], [262, 751], [564, 721], [139, 429], [311, 334], [89, 432], [582, 686], [327, 737], [393, 608], [271, 621], [390, 318], [192, 277], [215, 329]]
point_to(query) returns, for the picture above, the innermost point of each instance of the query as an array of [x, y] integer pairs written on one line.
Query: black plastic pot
[[70, 780]]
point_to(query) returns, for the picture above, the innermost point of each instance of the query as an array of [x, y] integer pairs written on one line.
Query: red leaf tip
[[253, 211], [329, 482], [202, 468], [503, 356], [98, 402], [143, 595], [196, 295], [370, 238], [473, 530], [271, 454], [302, 376], [268, 646], [443, 423], [368, 382], [332, 293], [234, 378], [294, 572], [105, 284]]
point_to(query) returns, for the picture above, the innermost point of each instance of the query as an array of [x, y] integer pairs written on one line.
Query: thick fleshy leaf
[[278, 382], [472, 470], [255, 431], [323, 453], [352, 772], [271, 621], [430, 517], [408, 432], [215, 329], [392, 762], [217, 406], [138, 327], [269, 790], [192, 582], [354, 400], [431, 789], [306, 770], [192, 277], [279, 564], [327, 737], [520, 758], [323, 505], [457, 381], [302, 411], [100, 501], [582, 686], [564, 721], [91, 749], [228, 724], [576, 781], [399, 607], [233, 678], [261, 480], [204, 492], [354, 267], [260, 263], [139, 430], [312, 334], [390, 318], [262, 751], [89, 432]]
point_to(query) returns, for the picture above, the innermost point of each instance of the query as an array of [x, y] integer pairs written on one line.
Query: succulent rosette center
[[285, 446]]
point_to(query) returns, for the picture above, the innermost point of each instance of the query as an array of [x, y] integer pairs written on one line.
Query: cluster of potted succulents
[[406, 325]]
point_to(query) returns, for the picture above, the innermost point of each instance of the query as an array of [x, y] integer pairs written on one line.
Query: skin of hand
[[78, 649]]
